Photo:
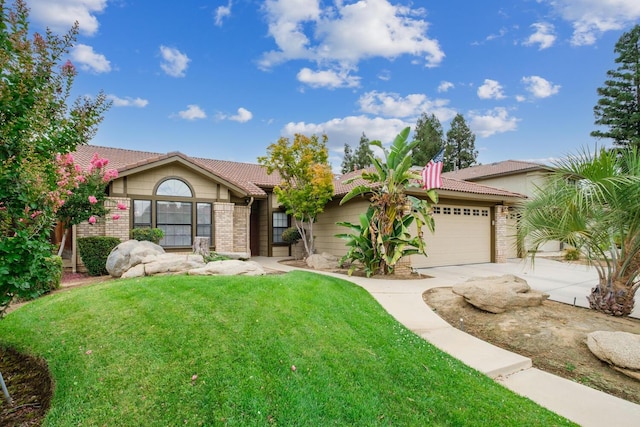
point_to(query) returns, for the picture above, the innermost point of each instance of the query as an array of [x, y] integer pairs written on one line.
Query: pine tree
[[430, 137], [460, 151], [347, 159], [619, 105], [363, 154]]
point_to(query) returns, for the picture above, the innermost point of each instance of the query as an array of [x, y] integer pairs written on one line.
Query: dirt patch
[[298, 263], [30, 387], [553, 335]]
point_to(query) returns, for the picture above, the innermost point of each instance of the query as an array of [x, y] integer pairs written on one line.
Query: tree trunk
[[201, 246], [64, 240], [613, 300]]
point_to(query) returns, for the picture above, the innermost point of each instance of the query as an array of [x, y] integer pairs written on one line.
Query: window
[[466, 211], [436, 210], [174, 218], [280, 223], [456, 211], [174, 187], [476, 212], [446, 211], [485, 212], [142, 214], [203, 220]]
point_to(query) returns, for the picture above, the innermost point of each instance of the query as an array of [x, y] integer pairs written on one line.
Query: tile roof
[[448, 184], [253, 178], [507, 167]]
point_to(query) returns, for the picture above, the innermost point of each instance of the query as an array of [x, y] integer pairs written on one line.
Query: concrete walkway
[[576, 402]]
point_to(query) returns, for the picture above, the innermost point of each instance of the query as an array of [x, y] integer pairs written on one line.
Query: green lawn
[[124, 353]]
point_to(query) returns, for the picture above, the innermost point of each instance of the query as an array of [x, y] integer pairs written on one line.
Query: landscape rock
[[323, 261], [619, 349], [498, 294], [172, 263], [129, 254], [229, 268]]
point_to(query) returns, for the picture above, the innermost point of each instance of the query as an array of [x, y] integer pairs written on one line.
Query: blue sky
[[224, 79]]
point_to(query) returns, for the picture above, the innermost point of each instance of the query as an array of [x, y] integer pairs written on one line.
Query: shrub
[[215, 257], [94, 252], [572, 254], [149, 234], [291, 235]]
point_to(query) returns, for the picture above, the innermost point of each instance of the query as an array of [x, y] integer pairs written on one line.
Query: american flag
[[431, 174]]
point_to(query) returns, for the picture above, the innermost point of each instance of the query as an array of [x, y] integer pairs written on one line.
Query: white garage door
[[462, 236]]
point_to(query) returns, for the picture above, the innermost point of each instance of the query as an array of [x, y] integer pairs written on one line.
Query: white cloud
[[444, 86], [243, 115], [591, 18], [127, 101], [89, 60], [328, 78], [222, 12], [193, 112], [391, 104], [348, 130], [60, 15], [491, 122], [539, 87], [543, 36], [344, 34], [520, 98], [491, 89], [175, 62]]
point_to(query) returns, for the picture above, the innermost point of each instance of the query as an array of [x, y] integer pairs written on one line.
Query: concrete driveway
[[564, 282]]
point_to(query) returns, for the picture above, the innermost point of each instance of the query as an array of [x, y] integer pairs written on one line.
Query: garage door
[[462, 236]]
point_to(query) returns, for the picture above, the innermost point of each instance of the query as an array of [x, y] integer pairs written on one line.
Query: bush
[[94, 252], [215, 257], [571, 254], [149, 234], [291, 235]]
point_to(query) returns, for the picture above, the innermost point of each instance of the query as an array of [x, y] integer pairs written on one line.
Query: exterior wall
[[241, 228], [144, 183], [263, 214], [325, 227], [500, 230], [223, 226]]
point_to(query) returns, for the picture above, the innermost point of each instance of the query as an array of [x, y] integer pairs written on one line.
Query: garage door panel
[[462, 236]]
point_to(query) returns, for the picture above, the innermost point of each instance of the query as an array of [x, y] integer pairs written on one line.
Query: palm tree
[[592, 202]]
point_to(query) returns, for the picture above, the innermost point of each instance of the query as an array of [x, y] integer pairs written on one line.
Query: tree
[[460, 151], [592, 203], [430, 139], [619, 105], [382, 236], [347, 159], [361, 159], [307, 180], [363, 156], [36, 124]]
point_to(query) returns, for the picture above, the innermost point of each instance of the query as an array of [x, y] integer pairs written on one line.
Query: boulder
[[323, 261], [619, 349], [230, 267], [172, 263], [129, 254], [498, 294]]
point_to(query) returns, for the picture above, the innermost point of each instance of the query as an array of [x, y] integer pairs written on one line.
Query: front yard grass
[[181, 350]]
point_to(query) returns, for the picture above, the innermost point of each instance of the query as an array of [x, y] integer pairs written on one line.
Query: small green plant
[[291, 235], [572, 254], [570, 366], [215, 257], [149, 234], [94, 252]]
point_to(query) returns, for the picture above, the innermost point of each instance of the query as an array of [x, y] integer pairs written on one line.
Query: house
[[512, 175], [233, 205]]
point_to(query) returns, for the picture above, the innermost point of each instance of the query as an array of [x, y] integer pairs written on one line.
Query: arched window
[[174, 210], [174, 187]]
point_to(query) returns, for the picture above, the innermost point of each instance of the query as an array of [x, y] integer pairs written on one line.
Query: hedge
[[94, 252]]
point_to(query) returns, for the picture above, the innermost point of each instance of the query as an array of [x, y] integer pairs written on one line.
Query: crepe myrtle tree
[[382, 236], [36, 124], [306, 180], [592, 203]]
